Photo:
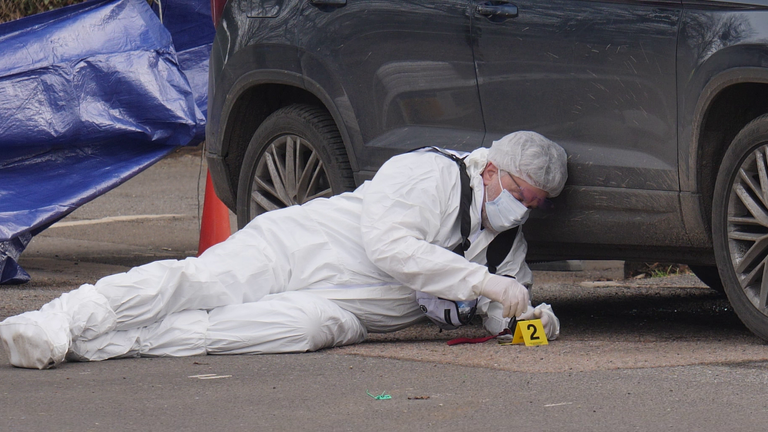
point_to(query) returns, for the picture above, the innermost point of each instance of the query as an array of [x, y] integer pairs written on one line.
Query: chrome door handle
[[497, 9]]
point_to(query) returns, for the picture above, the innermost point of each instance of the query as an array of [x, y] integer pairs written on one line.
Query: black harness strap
[[464, 203], [500, 246]]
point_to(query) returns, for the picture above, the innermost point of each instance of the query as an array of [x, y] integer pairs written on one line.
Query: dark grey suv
[[662, 106]]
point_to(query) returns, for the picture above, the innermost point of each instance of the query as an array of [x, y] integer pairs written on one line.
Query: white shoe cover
[[89, 312], [35, 340]]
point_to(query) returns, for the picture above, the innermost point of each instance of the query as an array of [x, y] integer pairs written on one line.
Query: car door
[[401, 72], [598, 77]]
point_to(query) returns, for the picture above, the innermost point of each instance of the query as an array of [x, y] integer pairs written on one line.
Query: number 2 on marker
[[532, 328]]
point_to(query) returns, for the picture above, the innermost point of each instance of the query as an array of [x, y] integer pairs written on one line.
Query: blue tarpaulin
[[191, 26], [90, 95]]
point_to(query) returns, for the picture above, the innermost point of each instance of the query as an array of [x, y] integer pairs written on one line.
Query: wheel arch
[[250, 101], [729, 101]]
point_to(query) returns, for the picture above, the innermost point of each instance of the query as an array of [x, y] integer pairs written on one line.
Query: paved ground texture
[[648, 354]]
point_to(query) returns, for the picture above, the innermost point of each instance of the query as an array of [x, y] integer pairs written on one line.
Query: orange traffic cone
[[215, 224]]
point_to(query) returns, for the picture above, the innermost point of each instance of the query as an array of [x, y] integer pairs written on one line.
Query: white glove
[[548, 320], [492, 319], [529, 314], [512, 295]]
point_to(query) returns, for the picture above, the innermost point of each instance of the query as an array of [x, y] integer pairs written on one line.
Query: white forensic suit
[[298, 279]]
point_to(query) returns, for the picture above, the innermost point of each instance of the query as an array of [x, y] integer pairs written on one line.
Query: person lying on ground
[[328, 272]]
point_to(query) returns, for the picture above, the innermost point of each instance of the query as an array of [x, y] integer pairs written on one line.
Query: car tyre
[[296, 155], [740, 225]]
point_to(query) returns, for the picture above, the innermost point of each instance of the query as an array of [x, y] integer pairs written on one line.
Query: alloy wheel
[[289, 172], [748, 227]]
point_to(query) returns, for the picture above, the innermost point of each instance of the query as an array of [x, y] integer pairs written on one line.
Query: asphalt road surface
[[651, 354]]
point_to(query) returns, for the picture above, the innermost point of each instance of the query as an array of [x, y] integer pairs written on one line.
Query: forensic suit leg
[[242, 269], [178, 334], [293, 321]]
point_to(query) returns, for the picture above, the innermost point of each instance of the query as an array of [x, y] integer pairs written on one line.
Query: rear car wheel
[[296, 155], [740, 225]]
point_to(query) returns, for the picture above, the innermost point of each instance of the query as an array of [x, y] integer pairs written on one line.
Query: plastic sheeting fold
[[90, 95]]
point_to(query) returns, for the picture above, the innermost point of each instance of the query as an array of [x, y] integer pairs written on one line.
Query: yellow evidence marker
[[530, 332]]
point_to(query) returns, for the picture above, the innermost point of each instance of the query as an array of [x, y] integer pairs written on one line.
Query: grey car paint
[[625, 86], [402, 71], [599, 79]]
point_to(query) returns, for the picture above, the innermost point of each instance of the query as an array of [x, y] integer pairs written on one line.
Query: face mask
[[505, 212]]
